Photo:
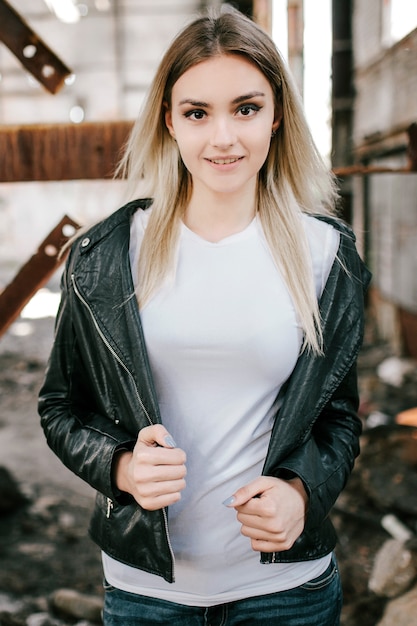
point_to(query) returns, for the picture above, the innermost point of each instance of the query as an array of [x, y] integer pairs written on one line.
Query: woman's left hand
[[271, 511]]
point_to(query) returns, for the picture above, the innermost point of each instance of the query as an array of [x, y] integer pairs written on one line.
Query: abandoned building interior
[[73, 75]]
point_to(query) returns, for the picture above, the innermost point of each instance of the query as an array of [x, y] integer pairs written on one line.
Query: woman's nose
[[223, 135]]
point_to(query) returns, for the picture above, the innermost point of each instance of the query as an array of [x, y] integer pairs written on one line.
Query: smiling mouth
[[225, 161]]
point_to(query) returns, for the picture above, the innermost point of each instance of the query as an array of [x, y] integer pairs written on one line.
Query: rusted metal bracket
[[35, 273], [31, 51], [350, 170]]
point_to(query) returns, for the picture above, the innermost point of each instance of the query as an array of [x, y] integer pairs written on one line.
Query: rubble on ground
[[376, 515]]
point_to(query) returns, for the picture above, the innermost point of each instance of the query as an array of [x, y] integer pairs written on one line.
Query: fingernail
[[229, 501], [170, 442]]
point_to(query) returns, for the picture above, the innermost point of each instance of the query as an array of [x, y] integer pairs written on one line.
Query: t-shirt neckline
[[234, 238]]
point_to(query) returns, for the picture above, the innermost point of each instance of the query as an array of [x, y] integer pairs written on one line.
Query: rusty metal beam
[[61, 151], [352, 170], [35, 273], [31, 51]]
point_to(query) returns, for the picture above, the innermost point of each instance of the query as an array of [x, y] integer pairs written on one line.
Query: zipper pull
[[109, 507]]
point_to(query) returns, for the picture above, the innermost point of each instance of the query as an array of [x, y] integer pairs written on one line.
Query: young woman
[[202, 377]]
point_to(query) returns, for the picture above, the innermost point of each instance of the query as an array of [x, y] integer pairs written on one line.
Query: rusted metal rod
[[35, 273]]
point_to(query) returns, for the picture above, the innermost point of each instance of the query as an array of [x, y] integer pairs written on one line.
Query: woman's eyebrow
[[248, 96], [194, 103], [238, 100]]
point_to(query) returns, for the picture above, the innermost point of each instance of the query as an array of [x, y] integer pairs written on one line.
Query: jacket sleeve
[[325, 460], [76, 430], [316, 431]]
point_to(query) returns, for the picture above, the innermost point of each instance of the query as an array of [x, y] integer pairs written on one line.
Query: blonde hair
[[293, 179]]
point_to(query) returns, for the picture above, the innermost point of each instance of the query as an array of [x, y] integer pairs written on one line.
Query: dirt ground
[[44, 545]]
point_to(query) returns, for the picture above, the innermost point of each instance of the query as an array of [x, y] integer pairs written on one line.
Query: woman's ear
[[277, 118], [168, 120]]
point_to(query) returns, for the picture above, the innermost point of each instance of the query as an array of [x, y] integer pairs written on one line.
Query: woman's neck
[[214, 218]]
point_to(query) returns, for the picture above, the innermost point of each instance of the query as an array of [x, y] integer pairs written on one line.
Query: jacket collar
[[88, 239]]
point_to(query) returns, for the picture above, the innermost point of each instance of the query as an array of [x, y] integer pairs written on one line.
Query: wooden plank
[[47, 152], [35, 273], [31, 51]]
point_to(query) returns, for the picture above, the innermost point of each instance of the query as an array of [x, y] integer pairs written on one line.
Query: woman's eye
[[248, 109], [196, 114]]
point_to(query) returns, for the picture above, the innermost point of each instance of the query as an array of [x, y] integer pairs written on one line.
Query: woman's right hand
[[154, 472]]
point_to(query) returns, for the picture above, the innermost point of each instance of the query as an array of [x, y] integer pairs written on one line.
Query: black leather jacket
[[98, 393]]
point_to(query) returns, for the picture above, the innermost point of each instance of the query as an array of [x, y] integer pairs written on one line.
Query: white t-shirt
[[222, 338]]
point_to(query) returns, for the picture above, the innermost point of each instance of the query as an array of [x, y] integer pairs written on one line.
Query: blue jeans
[[316, 603]]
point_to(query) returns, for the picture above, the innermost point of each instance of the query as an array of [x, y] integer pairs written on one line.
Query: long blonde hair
[[293, 179]]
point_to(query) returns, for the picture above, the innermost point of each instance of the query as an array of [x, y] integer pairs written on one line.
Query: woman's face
[[222, 115]]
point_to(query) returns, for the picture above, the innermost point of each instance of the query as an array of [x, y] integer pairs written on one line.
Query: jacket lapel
[[315, 378], [105, 281]]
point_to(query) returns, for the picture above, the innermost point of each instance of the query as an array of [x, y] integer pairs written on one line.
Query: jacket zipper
[[109, 507], [118, 359]]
